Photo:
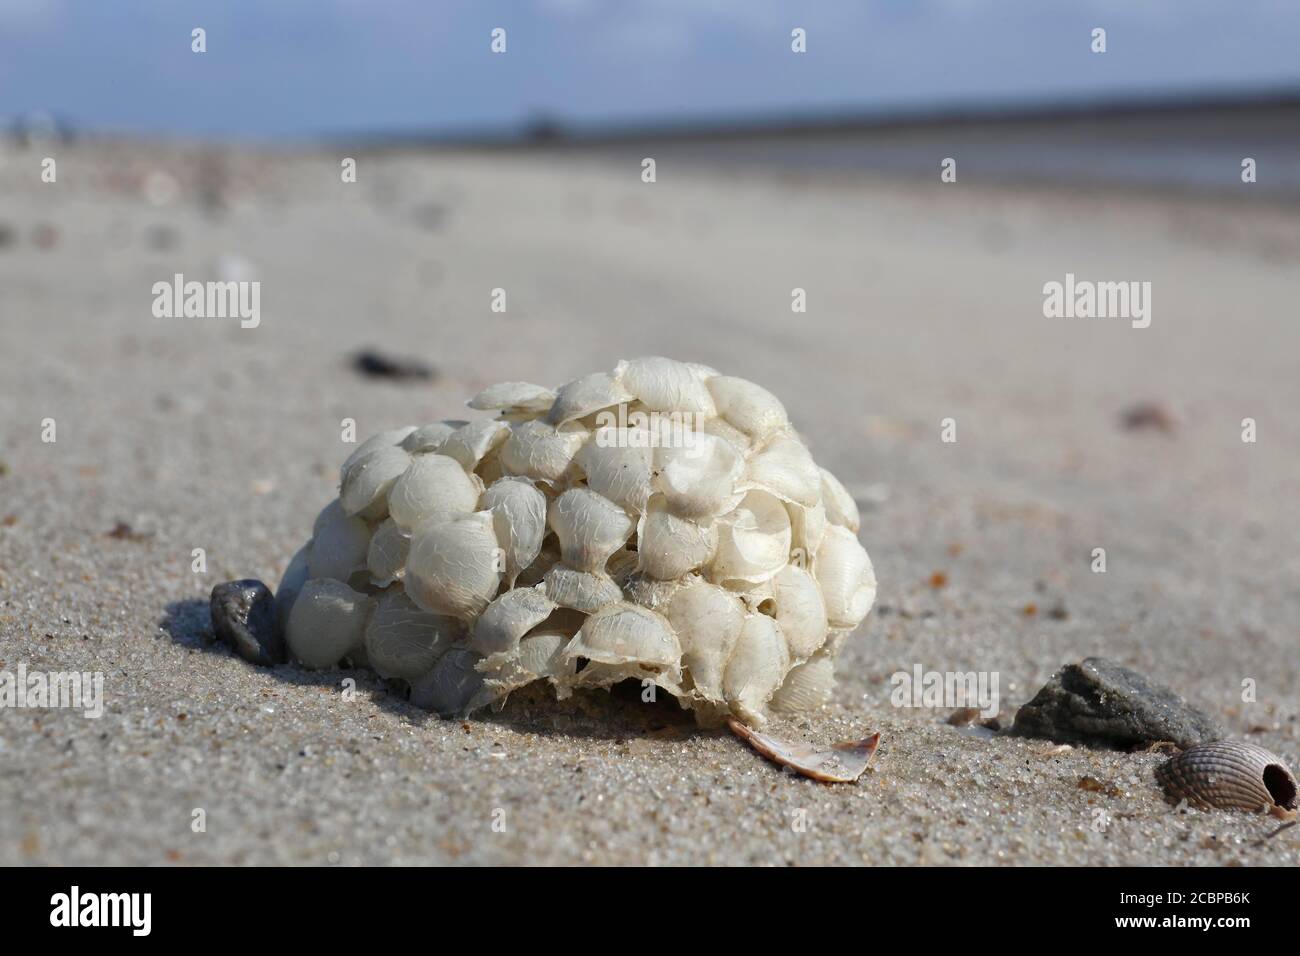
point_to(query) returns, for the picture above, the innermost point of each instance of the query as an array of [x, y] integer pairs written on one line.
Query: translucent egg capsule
[[707, 620], [841, 509], [513, 397], [386, 556], [757, 668], [339, 546], [519, 519], [327, 623], [586, 395], [455, 566], [590, 528], [669, 546], [847, 580], [403, 640], [664, 385], [542, 452], [433, 488], [366, 484]]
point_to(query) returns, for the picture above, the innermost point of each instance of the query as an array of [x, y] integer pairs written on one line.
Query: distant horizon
[[304, 70]]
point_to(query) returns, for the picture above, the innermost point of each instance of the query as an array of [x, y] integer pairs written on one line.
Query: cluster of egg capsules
[[662, 522]]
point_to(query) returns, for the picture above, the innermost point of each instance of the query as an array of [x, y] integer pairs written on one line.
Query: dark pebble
[[376, 365], [1098, 703], [243, 616]]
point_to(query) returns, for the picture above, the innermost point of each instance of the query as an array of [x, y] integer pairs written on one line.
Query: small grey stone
[[243, 616], [1098, 703]]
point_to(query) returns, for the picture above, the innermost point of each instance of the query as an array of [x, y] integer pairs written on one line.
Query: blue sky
[[297, 68]]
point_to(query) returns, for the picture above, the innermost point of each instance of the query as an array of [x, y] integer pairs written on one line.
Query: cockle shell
[[1230, 775], [659, 522]]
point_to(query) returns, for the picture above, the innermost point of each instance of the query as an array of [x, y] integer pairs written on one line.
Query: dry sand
[[925, 302]]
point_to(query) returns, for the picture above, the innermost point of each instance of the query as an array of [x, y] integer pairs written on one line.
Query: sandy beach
[[925, 302]]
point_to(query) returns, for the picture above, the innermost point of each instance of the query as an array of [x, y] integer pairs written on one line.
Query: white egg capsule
[[585, 396], [757, 668], [327, 623], [668, 546], [847, 580], [841, 509], [581, 590], [749, 407], [386, 556], [385, 439], [800, 611], [632, 641], [513, 397], [430, 437], [471, 443], [519, 520], [453, 687], [619, 464], [665, 386], [433, 488], [507, 619], [808, 687], [404, 641], [785, 468], [339, 546], [707, 620], [590, 528], [295, 576], [542, 452], [455, 566], [753, 540], [698, 478], [367, 483]]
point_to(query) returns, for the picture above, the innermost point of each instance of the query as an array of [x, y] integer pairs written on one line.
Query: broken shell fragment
[[658, 522], [843, 762], [1230, 775]]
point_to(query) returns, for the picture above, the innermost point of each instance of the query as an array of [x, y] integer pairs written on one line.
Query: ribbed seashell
[[800, 611], [841, 509], [339, 546], [385, 439], [453, 687], [590, 528], [808, 687], [471, 443], [433, 488], [633, 641], [431, 437], [327, 622], [707, 620], [669, 546], [581, 590], [847, 580], [753, 540], [757, 668], [751, 408], [507, 619], [286, 593], [619, 464], [455, 566], [586, 395], [512, 397], [785, 468], [1230, 775], [404, 641], [542, 452], [367, 482], [698, 479], [519, 519], [665, 386], [386, 557]]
